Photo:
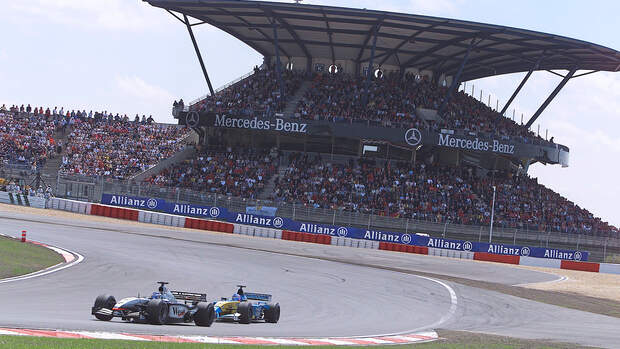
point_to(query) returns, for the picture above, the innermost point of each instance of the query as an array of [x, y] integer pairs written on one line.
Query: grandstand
[[354, 117]]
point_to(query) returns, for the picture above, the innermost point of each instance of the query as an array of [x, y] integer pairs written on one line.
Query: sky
[[128, 57]]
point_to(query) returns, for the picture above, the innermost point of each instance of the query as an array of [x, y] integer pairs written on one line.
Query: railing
[[345, 218]]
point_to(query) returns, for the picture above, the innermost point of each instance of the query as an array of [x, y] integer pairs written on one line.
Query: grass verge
[[450, 340], [17, 258]]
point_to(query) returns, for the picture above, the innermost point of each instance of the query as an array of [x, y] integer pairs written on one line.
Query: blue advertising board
[[269, 221]]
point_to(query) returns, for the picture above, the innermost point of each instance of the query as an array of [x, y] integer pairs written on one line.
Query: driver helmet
[[236, 297], [156, 295]]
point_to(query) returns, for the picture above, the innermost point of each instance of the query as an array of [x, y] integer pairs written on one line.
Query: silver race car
[[162, 307]]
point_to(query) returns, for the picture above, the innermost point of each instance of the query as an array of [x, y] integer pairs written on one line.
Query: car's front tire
[[205, 315], [157, 311], [245, 312], [272, 315], [104, 301]]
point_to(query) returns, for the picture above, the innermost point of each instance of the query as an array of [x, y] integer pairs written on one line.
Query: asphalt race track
[[318, 297]]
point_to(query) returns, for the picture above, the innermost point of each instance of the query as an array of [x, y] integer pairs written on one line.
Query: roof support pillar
[[455, 79], [514, 94], [370, 67], [551, 97], [202, 63], [278, 62]]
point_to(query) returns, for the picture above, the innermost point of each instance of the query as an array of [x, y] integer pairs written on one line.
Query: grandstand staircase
[[270, 185], [49, 172], [291, 104]]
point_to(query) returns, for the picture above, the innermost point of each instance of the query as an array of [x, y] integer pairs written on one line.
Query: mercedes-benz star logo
[[413, 136], [192, 119]]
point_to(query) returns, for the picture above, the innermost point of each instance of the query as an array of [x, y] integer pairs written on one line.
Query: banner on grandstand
[[275, 124], [371, 130], [274, 221], [262, 210]]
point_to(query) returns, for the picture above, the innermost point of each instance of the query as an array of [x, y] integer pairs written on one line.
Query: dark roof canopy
[[404, 40]]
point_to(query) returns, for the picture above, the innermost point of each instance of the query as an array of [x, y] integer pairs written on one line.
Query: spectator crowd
[[96, 144], [227, 173], [118, 149], [433, 193], [427, 192], [392, 101], [256, 95], [25, 138]]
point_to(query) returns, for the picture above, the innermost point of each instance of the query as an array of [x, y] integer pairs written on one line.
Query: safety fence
[[316, 238], [92, 189]]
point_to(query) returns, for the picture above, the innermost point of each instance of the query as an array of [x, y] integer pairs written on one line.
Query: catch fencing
[[92, 189]]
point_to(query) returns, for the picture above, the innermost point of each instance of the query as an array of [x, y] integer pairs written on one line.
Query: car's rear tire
[[205, 315], [104, 301], [272, 315], [157, 311], [245, 312]]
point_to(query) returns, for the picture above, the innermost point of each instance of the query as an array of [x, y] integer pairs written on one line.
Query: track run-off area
[[323, 290]]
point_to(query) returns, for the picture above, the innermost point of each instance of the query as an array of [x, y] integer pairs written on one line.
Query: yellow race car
[[245, 307]]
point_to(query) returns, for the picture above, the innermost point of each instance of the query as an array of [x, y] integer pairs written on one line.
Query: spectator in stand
[[432, 193], [256, 95], [228, 173], [119, 149], [25, 139], [427, 192], [393, 100]]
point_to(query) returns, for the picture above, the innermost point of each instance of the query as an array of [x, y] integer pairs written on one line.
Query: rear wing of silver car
[[258, 296], [189, 296]]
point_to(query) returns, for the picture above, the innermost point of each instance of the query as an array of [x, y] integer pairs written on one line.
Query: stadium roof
[[404, 40]]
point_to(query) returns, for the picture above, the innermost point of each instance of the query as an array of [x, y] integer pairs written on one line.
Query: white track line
[[561, 278], [443, 319]]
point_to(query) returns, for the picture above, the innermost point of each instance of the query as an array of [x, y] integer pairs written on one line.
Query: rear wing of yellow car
[[258, 296]]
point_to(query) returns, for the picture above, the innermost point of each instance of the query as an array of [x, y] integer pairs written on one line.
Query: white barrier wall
[[609, 268], [357, 243], [450, 253], [540, 262]]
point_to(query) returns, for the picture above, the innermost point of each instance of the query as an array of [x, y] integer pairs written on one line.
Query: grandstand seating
[[118, 149], [392, 102], [236, 174], [256, 95], [425, 192], [98, 144], [25, 139]]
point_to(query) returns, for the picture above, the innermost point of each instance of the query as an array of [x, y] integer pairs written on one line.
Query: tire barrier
[[324, 239]]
